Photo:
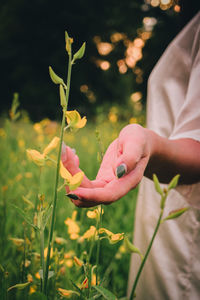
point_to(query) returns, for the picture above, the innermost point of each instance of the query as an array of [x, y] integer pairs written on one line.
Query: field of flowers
[[27, 190]]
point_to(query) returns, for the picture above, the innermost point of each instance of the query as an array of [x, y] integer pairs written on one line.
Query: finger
[[80, 203], [115, 189], [71, 162]]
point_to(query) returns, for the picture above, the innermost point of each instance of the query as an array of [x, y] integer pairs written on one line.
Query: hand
[[130, 152]]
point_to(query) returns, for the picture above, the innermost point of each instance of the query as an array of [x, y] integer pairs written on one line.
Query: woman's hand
[[121, 170]]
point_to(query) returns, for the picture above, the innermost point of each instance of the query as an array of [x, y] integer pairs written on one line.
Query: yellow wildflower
[[74, 120], [17, 242], [77, 261], [38, 128], [36, 157], [73, 228], [67, 293], [95, 214], [37, 275], [90, 233], [29, 278], [69, 263], [39, 158], [73, 181], [60, 240], [33, 289], [52, 145], [113, 237]]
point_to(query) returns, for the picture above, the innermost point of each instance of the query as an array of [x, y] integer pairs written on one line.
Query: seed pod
[[176, 213]]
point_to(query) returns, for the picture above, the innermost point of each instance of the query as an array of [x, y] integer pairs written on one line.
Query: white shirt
[[172, 271]]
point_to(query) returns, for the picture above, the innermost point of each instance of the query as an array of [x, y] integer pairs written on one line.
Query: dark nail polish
[[73, 196], [121, 170]]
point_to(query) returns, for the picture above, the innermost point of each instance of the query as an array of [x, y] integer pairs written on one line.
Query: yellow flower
[[67, 293], [17, 242], [74, 119], [77, 261], [33, 289], [95, 214], [73, 181], [73, 228], [90, 233], [39, 158], [29, 278], [113, 237], [60, 240], [52, 145], [36, 157]]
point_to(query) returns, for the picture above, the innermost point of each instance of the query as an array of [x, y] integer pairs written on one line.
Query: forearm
[[171, 157]]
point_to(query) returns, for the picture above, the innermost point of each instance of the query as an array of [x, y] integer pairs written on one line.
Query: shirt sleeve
[[187, 124]]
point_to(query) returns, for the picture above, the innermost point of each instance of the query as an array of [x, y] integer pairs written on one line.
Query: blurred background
[[124, 40]]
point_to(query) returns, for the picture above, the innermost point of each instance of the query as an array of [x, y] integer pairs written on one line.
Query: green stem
[[98, 245], [57, 177], [42, 256], [146, 255]]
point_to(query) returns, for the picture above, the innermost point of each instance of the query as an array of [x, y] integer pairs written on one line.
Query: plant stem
[[57, 177], [42, 256], [98, 245], [146, 255]]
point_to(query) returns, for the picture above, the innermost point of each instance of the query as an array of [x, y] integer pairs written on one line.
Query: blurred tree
[[32, 38]]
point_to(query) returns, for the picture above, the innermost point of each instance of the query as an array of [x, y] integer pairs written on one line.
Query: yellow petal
[[67, 293], [64, 173], [106, 231], [90, 233], [116, 238], [73, 117], [81, 123], [91, 214], [53, 144], [76, 180], [36, 157]]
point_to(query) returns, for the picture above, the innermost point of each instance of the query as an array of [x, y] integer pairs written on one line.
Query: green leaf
[[105, 293], [37, 296], [55, 78], [19, 286], [63, 101], [24, 216], [173, 183], [157, 185], [131, 248], [175, 213], [79, 54]]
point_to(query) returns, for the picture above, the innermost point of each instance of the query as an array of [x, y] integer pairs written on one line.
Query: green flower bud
[[79, 54], [173, 183], [157, 185], [63, 101], [55, 78]]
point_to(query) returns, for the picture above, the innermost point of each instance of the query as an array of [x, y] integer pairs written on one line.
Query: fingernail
[[121, 170], [73, 196]]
